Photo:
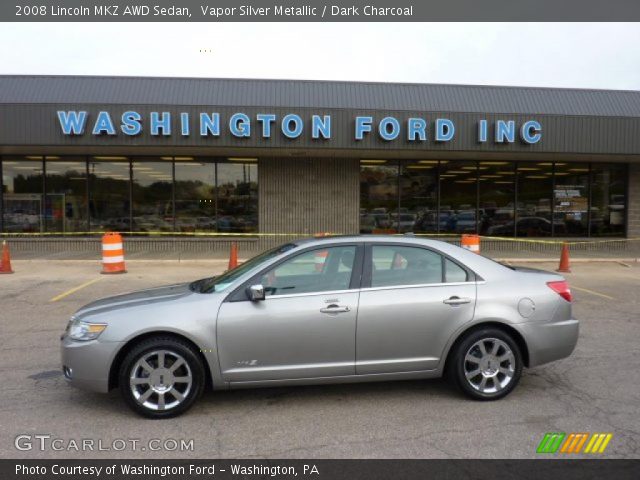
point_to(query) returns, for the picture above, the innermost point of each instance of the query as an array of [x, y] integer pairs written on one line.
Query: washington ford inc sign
[[266, 125]]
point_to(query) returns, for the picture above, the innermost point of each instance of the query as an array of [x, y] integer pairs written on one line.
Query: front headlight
[[84, 331]]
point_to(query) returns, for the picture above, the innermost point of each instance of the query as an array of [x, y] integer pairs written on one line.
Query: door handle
[[335, 309], [456, 300]]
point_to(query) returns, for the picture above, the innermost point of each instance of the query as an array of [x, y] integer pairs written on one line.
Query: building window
[[571, 199], [195, 200], [378, 195], [66, 198], [535, 189], [152, 195], [109, 194], [22, 187], [237, 195], [418, 197], [608, 199], [497, 209], [458, 197]]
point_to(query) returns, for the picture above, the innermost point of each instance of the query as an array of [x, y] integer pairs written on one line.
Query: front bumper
[[86, 365], [549, 341]]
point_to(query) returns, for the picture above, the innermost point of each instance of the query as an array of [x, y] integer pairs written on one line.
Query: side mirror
[[255, 293]]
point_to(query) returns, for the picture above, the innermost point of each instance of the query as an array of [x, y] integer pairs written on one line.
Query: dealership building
[[203, 161]]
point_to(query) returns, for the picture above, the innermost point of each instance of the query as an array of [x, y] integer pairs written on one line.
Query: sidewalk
[[504, 251]]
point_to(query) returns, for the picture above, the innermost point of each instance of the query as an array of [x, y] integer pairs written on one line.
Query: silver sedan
[[328, 310]]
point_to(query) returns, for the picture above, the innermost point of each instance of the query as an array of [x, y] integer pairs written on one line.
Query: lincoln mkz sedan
[[325, 310]]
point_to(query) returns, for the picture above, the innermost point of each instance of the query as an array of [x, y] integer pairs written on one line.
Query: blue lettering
[[445, 130], [482, 131], [363, 125], [321, 126], [158, 122], [240, 125], [184, 124], [530, 132], [72, 123], [505, 131], [210, 124], [131, 123], [383, 128], [287, 120], [266, 119], [417, 127], [104, 124]]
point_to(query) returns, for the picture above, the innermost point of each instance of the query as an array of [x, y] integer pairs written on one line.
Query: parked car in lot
[[325, 310]]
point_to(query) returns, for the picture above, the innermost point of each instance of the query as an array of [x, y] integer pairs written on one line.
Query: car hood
[[140, 297]]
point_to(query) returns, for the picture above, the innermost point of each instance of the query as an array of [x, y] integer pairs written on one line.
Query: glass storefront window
[[497, 209], [152, 195], [378, 196], [22, 186], [66, 199], [109, 190], [571, 199], [608, 199], [535, 185], [418, 197], [237, 194], [458, 197], [195, 196]]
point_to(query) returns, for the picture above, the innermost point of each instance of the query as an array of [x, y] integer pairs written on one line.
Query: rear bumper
[[549, 341], [86, 365]]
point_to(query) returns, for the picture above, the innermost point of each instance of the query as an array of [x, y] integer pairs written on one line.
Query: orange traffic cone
[[5, 264], [233, 256], [564, 266]]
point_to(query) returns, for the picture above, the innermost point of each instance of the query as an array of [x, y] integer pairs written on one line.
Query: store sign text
[[292, 126]]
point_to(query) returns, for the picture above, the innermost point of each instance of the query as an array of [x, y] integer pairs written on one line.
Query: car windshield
[[219, 283]]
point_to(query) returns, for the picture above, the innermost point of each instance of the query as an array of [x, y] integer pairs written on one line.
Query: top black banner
[[320, 11]]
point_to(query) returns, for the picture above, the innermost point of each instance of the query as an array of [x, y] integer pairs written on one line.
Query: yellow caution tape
[[321, 234]]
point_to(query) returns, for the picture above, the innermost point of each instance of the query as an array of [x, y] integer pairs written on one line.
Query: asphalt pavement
[[596, 390]]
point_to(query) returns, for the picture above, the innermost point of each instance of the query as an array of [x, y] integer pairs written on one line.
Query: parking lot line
[[592, 292], [75, 289]]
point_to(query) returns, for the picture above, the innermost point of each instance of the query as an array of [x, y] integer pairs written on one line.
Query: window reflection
[[608, 199], [237, 195], [109, 194], [571, 199], [535, 182], [497, 198], [22, 194], [378, 196], [66, 200], [195, 196], [418, 197], [152, 197], [458, 197]]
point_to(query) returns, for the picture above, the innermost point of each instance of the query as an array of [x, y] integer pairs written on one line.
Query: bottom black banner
[[320, 469]]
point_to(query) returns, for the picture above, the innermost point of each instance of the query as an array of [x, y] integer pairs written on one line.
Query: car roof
[[483, 266]]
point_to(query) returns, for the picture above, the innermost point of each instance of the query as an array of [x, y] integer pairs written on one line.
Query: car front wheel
[[161, 377], [487, 364]]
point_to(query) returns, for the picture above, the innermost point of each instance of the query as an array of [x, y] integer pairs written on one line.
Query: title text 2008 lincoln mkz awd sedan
[[341, 309]]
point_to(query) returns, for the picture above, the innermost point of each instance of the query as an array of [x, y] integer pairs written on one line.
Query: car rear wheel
[[161, 377], [486, 364]]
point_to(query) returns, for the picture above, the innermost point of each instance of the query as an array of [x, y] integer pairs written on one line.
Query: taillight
[[561, 287]]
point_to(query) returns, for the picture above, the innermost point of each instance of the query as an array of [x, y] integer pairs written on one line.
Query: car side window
[[320, 270], [454, 272], [398, 265]]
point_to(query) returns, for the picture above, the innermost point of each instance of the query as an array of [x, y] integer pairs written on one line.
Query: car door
[[413, 299], [304, 328]]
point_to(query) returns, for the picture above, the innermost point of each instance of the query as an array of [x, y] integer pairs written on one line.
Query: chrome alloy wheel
[[160, 380], [489, 365]]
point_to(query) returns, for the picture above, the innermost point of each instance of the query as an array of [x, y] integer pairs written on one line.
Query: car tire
[[161, 377], [486, 364]]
